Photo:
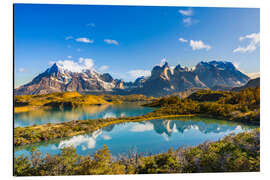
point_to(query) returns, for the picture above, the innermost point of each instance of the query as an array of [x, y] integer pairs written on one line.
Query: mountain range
[[164, 80]]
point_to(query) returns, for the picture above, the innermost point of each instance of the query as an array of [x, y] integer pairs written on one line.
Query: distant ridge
[[250, 84], [163, 80]]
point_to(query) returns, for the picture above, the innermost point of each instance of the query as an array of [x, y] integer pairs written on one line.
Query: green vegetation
[[234, 153], [119, 99], [239, 106], [38, 133]]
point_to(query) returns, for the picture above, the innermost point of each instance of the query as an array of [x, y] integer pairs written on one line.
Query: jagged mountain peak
[[163, 80], [220, 73], [217, 64], [166, 64], [53, 68]]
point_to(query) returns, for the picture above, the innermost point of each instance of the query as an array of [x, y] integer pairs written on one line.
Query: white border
[[6, 83]]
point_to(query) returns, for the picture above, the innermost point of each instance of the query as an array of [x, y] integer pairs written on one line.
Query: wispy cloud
[[186, 12], [182, 40], [198, 45], [189, 21], [69, 37], [142, 127], [253, 75], [69, 57], [111, 41], [73, 66], [139, 72], [84, 40], [254, 42], [103, 68]]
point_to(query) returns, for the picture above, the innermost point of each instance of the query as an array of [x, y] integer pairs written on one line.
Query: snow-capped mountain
[[59, 79], [220, 73], [163, 80], [166, 80]]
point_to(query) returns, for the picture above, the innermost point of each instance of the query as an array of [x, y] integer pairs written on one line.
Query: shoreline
[[76, 127], [42, 133]]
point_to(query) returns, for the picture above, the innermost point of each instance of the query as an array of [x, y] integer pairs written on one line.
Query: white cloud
[[111, 41], [69, 57], [21, 70], [109, 115], [69, 37], [189, 21], [254, 42], [139, 72], [103, 68], [253, 75], [183, 40], [76, 141], [81, 140], [198, 45], [106, 137], [254, 36], [84, 40], [86, 63], [187, 12], [70, 65], [142, 127]]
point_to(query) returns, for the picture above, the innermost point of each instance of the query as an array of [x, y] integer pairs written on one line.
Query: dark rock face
[[219, 73], [164, 80], [106, 77], [55, 79]]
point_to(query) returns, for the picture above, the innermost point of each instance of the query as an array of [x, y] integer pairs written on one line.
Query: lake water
[[153, 136], [41, 116]]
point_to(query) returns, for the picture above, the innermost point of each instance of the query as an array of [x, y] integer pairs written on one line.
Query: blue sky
[[127, 41]]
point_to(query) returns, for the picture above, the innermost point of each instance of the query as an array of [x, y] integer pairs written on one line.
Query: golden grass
[[24, 109], [26, 103], [32, 102]]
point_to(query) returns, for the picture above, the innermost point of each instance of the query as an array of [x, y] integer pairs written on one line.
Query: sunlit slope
[[25, 103], [56, 100]]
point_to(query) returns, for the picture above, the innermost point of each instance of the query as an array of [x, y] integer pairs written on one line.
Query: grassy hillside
[[243, 106], [55, 100], [25, 103], [118, 99], [234, 153]]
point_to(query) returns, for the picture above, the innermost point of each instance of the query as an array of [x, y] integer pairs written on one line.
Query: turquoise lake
[[41, 116], [154, 136]]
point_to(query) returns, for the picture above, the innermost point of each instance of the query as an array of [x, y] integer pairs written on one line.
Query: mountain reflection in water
[[42, 116], [148, 136]]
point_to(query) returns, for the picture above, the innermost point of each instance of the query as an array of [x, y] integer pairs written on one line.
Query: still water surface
[[41, 116], [153, 136]]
